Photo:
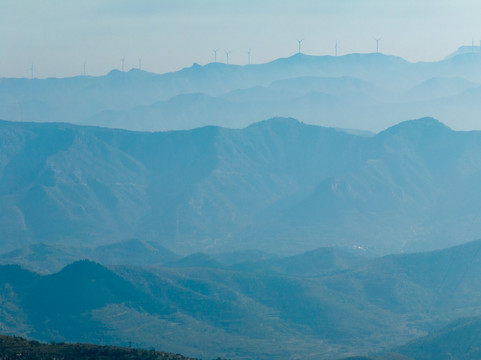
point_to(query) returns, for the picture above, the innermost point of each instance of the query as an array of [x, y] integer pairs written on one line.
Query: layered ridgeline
[[278, 186], [361, 91], [324, 304]]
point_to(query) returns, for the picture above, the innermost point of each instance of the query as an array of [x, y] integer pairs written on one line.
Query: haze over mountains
[[311, 207], [359, 91]]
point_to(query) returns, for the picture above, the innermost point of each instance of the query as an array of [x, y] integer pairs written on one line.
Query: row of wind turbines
[[299, 50], [31, 69], [227, 53]]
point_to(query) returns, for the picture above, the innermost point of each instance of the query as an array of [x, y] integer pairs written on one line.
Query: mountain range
[[278, 186], [165, 211], [359, 91], [323, 304]]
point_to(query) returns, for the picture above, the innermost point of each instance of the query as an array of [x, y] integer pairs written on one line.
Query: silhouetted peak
[[276, 122], [426, 124], [138, 73], [84, 268], [115, 73], [464, 50], [300, 56]]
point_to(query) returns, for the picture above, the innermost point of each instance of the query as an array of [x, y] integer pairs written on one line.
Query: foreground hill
[[19, 348], [278, 186], [303, 306]]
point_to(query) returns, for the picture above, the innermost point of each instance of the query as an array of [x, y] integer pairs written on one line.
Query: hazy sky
[[58, 36]]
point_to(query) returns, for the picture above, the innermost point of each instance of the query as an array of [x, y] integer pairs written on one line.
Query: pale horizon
[[59, 37]]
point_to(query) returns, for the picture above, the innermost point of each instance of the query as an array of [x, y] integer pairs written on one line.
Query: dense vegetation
[[20, 348]]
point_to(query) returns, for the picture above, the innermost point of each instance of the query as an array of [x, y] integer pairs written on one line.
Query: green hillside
[[20, 348]]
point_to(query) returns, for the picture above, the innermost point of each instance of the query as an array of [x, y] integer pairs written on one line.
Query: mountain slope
[[50, 258], [459, 340], [400, 186], [372, 306], [274, 186]]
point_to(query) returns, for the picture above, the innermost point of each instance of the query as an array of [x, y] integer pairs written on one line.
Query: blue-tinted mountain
[[315, 100], [372, 306], [196, 260], [458, 340], [50, 258], [277, 186], [439, 88], [310, 264], [367, 91], [132, 252], [463, 50]]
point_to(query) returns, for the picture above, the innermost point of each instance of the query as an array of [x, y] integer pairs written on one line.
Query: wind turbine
[[31, 71], [227, 56], [140, 63], [377, 44], [123, 59], [85, 63], [249, 57], [335, 49], [215, 55], [300, 43]]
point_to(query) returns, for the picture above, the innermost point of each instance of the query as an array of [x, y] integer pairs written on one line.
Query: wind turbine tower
[[335, 49], [215, 55], [85, 64], [249, 57], [299, 42], [377, 44], [31, 71], [227, 56], [140, 63], [123, 60]]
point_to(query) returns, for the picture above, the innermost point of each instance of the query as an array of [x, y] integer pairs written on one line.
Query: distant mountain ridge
[[360, 91], [41, 257], [465, 49]]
